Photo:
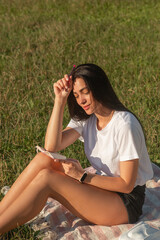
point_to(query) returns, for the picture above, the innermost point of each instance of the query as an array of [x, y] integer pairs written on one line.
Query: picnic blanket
[[57, 223]]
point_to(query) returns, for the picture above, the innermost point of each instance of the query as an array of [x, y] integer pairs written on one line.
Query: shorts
[[134, 202]]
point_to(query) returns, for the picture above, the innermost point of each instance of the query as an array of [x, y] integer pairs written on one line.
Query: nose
[[82, 99]]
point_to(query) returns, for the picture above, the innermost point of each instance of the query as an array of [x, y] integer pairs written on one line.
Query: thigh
[[93, 204]]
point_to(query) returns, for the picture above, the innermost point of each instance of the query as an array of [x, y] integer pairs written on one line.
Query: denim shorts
[[134, 202]]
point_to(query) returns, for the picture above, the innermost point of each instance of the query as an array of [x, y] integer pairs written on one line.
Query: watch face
[[83, 177]]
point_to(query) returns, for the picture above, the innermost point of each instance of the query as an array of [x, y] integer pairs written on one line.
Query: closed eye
[[83, 90], [75, 95]]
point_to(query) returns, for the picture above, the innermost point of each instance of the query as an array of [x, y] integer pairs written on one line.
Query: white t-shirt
[[121, 140]]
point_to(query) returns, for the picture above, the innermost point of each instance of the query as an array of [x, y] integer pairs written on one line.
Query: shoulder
[[126, 124], [81, 123], [124, 118]]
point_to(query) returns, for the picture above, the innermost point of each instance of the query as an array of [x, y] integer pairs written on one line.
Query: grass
[[40, 42]]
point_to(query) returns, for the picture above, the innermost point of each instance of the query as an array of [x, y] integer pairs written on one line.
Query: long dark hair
[[98, 83]]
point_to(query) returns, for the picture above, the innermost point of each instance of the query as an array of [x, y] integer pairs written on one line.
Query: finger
[[62, 83], [66, 76], [59, 84], [56, 160], [59, 160], [66, 82], [57, 87]]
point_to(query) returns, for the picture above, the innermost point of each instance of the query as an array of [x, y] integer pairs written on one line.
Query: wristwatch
[[81, 180]]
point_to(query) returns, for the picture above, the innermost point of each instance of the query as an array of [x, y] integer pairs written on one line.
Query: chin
[[89, 112]]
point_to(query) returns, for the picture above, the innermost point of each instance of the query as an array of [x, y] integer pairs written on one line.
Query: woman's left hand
[[72, 168]]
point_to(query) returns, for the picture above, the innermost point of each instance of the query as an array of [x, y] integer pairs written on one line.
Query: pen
[[71, 70], [70, 74]]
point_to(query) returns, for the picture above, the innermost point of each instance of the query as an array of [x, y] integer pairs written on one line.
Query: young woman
[[114, 144]]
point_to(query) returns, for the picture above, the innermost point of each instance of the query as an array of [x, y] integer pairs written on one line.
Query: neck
[[104, 118]]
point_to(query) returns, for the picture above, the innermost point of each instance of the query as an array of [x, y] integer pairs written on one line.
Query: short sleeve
[[129, 142], [76, 125]]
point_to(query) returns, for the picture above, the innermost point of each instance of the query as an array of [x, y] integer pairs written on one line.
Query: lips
[[86, 107]]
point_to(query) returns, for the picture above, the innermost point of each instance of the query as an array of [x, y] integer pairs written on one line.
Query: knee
[[42, 160]]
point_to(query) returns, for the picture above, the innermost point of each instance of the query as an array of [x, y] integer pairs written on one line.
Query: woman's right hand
[[63, 87]]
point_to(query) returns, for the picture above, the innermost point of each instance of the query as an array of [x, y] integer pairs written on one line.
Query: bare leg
[[90, 203], [40, 162]]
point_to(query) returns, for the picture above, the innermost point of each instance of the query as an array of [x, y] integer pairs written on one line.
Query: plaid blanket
[[56, 222]]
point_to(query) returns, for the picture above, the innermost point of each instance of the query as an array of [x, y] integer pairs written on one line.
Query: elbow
[[50, 148], [127, 186], [128, 189]]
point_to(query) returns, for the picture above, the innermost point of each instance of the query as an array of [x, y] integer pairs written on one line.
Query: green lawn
[[41, 40]]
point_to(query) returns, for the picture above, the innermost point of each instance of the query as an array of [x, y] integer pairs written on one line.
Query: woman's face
[[84, 96]]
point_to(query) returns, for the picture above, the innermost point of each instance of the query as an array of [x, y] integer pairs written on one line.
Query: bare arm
[[54, 129], [125, 183], [56, 139]]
